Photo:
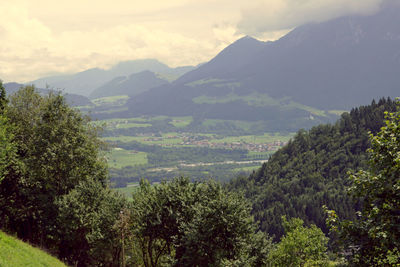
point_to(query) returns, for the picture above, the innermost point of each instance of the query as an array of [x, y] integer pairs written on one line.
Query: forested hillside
[[311, 171]]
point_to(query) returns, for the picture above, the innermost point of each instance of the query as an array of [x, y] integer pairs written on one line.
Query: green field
[[255, 139], [128, 190], [246, 169], [181, 122], [120, 158], [15, 253], [113, 100]]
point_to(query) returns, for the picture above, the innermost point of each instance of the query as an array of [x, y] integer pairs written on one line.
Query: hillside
[[15, 253], [72, 99], [305, 76], [131, 85], [311, 171]]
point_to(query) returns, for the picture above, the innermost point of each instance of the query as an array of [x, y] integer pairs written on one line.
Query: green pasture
[[15, 253], [181, 122], [120, 158], [115, 100], [255, 139], [128, 190]]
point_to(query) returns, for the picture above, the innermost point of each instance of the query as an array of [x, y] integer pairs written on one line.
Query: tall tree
[[374, 238], [3, 97], [193, 224], [57, 148]]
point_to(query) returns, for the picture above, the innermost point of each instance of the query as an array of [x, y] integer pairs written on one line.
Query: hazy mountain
[[333, 65], [132, 85], [72, 99], [85, 82]]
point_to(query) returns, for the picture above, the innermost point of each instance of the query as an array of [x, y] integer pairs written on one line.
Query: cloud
[[33, 47], [263, 16]]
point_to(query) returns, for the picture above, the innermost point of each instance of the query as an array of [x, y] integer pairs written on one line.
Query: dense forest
[[54, 193], [311, 171]]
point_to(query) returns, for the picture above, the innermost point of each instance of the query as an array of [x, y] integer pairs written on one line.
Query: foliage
[[310, 171], [190, 224], [3, 98], [55, 150], [374, 237], [86, 220], [300, 246], [7, 148], [15, 253]]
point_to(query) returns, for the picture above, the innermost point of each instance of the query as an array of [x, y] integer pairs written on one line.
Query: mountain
[[72, 99], [311, 171], [131, 85], [85, 82], [304, 76]]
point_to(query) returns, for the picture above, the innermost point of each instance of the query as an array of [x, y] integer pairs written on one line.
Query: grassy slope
[[14, 252]]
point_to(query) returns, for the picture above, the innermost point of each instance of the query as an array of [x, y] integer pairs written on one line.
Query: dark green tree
[[193, 224], [56, 148], [374, 238], [300, 246], [87, 216], [3, 97]]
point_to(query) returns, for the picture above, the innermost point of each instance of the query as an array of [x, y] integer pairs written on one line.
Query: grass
[[246, 169], [255, 139], [15, 253], [181, 122], [259, 100], [204, 81], [166, 139], [116, 100], [337, 112], [120, 158], [128, 190]]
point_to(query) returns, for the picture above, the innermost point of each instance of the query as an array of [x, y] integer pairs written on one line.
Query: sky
[[45, 37]]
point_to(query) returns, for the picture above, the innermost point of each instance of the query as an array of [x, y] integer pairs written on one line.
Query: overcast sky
[[45, 37]]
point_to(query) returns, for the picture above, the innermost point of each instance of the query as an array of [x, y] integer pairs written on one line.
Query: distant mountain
[[132, 85], [85, 82], [72, 99], [312, 71]]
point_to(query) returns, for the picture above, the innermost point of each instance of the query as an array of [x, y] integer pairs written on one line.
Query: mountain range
[[85, 82], [72, 99], [306, 77], [332, 65]]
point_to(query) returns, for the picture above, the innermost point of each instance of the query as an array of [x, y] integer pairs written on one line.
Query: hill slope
[[132, 85], [15, 253], [72, 99], [311, 171]]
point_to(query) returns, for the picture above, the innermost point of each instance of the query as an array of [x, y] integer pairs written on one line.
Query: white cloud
[[31, 49], [262, 16], [41, 37]]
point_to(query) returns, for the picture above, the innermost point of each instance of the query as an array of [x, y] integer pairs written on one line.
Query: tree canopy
[[374, 237]]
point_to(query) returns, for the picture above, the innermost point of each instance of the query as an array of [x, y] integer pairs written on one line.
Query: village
[[215, 142]]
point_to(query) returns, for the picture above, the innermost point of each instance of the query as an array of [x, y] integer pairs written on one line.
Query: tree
[[300, 246], [374, 238], [3, 97], [7, 148], [87, 216], [192, 224], [56, 148]]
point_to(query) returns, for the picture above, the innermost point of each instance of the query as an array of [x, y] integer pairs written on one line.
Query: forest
[[330, 197]]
